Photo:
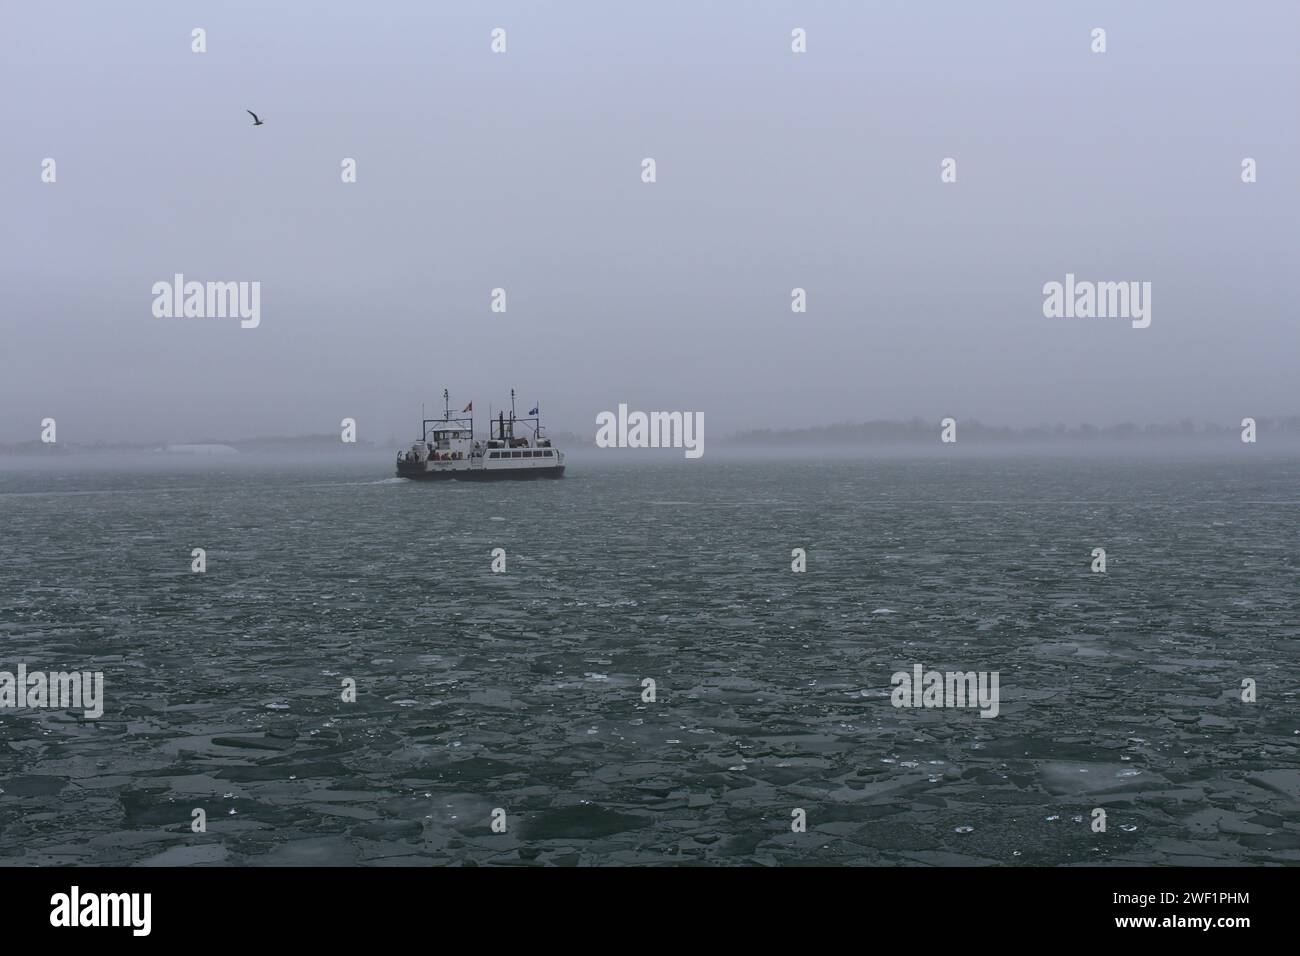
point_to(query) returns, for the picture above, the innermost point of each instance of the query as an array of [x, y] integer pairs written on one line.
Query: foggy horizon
[[1278, 431]]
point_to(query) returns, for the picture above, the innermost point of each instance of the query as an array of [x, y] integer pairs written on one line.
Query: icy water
[[523, 690]]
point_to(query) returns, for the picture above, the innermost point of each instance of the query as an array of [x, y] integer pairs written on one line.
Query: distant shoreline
[[918, 431], [890, 437], [844, 441]]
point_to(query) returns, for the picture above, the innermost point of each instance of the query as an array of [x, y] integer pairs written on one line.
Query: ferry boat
[[515, 448]]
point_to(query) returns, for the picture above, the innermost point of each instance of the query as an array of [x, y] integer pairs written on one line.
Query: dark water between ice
[[523, 690]]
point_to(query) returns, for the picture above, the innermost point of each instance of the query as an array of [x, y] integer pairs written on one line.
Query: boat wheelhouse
[[516, 448]]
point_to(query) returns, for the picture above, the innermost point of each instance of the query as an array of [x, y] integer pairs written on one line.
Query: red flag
[[467, 408]]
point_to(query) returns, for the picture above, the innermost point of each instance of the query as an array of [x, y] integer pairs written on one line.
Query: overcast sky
[[523, 171]]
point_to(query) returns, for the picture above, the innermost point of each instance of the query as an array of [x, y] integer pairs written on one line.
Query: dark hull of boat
[[480, 474]]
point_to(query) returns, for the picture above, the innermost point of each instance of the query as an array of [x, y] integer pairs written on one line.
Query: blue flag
[[534, 410]]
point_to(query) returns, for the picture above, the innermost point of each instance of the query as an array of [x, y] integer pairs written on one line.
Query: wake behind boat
[[515, 448]]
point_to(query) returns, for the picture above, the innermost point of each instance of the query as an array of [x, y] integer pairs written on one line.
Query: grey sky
[[522, 171]]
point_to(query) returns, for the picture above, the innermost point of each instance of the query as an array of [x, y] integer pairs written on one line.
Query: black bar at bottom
[[545, 906]]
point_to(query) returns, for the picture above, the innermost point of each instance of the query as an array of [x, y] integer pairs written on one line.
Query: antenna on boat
[[446, 404]]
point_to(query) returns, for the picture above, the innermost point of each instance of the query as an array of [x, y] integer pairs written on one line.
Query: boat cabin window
[[531, 453]]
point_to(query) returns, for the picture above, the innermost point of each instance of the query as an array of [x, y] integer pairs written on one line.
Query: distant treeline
[[919, 430]]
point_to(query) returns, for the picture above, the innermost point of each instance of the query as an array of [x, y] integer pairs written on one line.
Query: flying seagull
[[256, 121]]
